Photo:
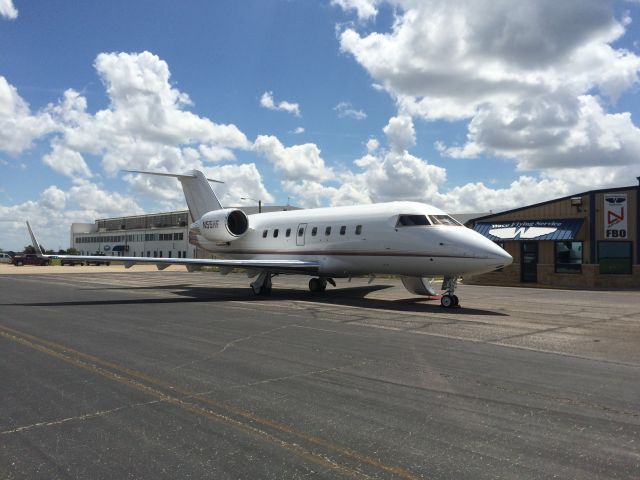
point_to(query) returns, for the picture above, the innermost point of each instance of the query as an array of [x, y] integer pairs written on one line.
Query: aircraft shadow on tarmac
[[346, 296]]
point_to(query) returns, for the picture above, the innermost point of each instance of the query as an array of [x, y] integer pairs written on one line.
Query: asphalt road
[[177, 375]]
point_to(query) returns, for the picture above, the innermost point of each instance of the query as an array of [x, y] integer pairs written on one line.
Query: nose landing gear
[[450, 299]]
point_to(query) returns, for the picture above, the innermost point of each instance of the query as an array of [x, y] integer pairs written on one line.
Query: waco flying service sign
[[561, 229], [615, 215]]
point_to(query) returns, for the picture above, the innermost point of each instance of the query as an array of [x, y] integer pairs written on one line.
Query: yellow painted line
[[191, 407], [95, 364]]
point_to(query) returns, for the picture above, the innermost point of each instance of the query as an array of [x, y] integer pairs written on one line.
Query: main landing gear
[[320, 284], [450, 299], [262, 284]]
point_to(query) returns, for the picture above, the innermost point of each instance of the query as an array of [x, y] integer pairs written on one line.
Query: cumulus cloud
[[346, 110], [365, 9], [267, 101], [400, 133], [534, 82], [19, 127], [297, 130], [146, 126], [53, 212], [66, 161], [7, 10], [295, 162], [381, 174]]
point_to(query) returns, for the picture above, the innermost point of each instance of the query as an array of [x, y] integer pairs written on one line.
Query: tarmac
[[114, 373]]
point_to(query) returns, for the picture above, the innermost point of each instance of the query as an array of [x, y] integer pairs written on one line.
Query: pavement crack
[[230, 344], [79, 418], [296, 375], [548, 330]]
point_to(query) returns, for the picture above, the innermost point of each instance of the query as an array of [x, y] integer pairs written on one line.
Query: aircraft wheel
[[317, 285], [456, 301], [447, 301]]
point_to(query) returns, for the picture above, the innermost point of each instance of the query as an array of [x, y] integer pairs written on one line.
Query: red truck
[[30, 259]]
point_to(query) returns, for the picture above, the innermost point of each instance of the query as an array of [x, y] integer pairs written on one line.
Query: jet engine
[[222, 226], [418, 285]]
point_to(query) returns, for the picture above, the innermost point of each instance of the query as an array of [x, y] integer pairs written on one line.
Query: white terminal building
[[151, 235]]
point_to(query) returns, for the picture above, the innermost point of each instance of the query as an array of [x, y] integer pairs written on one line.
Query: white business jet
[[412, 240]]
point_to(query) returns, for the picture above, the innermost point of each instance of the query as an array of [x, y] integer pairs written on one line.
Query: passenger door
[[301, 231]]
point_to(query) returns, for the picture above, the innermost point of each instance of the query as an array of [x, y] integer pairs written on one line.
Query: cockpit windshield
[[412, 220], [444, 220]]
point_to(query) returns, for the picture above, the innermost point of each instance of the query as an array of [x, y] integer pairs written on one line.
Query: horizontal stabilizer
[[174, 175]]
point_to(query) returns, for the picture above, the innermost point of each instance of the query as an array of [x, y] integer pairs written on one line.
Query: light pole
[[255, 200]]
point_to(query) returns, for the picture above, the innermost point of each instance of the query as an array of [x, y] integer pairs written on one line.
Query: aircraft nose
[[495, 252]]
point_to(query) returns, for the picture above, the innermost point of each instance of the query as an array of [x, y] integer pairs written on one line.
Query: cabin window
[[314, 231], [264, 233], [343, 230], [288, 233], [327, 231], [358, 229], [275, 233], [300, 231], [444, 220], [412, 220]]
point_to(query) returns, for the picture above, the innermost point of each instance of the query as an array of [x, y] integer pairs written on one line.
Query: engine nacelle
[[224, 225]]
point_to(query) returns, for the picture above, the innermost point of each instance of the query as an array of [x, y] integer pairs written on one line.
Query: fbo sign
[[615, 215]]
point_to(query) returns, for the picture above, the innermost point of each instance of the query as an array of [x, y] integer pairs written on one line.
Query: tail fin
[[197, 191], [34, 242]]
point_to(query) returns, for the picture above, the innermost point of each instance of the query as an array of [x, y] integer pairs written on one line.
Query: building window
[[275, 233], [327, 231], [288, 233], [358, 229], [568, 257], [314, 231], [615, 257], [264, 233]]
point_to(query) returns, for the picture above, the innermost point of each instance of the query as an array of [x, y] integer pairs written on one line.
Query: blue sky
[[470, 106]]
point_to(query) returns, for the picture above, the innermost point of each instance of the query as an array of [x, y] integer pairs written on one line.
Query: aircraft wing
[[285, 266], [225, 265]]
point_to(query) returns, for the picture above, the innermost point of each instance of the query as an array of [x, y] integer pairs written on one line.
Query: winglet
[[34, 242]]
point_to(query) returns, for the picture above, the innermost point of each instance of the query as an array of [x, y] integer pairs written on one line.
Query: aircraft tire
[[447, 301], [316, 285], [456, 301]]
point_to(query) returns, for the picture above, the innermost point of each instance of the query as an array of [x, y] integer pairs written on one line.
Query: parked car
[[5, 258], [30, 259]]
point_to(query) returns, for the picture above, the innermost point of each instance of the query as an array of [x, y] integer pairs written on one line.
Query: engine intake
[[224, 225]]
